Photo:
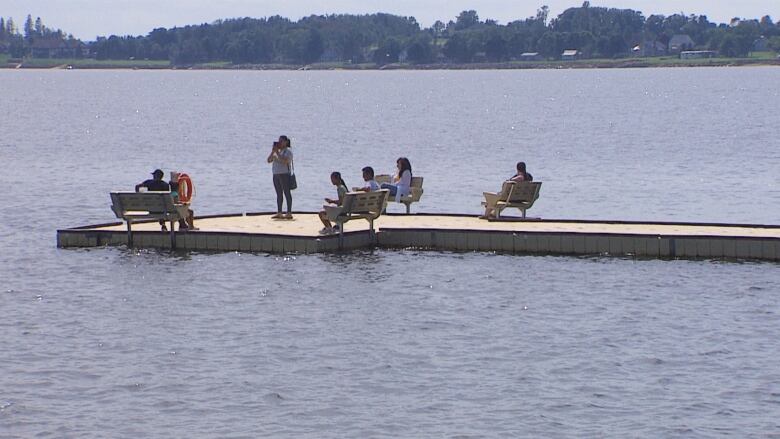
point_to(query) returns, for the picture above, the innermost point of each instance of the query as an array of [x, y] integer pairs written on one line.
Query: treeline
[[596, 32], [18, 44]]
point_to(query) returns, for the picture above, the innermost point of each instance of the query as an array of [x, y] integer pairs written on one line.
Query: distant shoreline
[[89, 64]]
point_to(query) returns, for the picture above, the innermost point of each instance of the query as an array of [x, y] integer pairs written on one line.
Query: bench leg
[[408, 207], [341, 236], [129, 235], [173, 237]]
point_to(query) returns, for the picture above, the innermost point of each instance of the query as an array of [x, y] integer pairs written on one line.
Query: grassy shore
[[758, 58]]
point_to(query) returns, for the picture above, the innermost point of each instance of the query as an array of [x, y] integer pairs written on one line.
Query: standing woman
[[281, 158], [402, 181]]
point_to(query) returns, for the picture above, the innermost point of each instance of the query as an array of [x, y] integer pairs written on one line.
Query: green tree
[[387, 52], [29, 28], [420, 50], [466, 19], [496, 47], [460, 48]]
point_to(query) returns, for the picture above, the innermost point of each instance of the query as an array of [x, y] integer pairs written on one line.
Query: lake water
[[121, 343]]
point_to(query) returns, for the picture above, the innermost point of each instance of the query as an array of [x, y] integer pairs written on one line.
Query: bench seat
[[144, 206], [520, 195]]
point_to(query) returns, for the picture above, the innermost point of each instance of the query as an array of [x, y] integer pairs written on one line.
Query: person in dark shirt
[[154, 184]]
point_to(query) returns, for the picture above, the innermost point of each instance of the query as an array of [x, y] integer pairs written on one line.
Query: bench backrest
[[364, 202], [524, 191], [152, 202]]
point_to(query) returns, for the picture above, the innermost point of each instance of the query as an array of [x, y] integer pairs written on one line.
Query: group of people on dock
[[283, 169]]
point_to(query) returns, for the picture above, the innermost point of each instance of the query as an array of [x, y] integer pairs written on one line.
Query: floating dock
[[258, 232]]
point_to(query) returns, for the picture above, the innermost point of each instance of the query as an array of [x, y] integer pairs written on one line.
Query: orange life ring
[[186, 188]]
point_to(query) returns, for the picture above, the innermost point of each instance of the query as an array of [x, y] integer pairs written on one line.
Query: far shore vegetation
[[580, 37]]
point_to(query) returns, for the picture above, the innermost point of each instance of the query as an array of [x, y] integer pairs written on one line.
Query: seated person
[[521, 174], [368, 177], [492, 198], [402, 180], [328, 212], [187, 220], [155, 184]]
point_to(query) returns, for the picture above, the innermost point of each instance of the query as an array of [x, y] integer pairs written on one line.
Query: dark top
[[156, 185]]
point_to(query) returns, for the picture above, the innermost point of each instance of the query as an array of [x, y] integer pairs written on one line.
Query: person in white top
[[368, 177], [402, 181]]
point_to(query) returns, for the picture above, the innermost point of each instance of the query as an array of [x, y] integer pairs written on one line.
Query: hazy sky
[[88, 18]]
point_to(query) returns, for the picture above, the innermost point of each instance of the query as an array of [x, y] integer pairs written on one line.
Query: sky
[[87, 19]]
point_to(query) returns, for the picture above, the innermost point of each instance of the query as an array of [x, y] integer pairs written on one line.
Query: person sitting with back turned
[[491, 198], [156, 184], [402, 180], [368, 177], [521, 174]]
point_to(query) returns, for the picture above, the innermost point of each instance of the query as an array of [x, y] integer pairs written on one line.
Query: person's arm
[[139, 186], [271, 156]]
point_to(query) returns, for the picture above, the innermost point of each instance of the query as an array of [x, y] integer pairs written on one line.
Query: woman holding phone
[[281, 158]]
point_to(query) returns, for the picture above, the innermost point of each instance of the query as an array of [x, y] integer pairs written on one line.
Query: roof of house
[[680, 39]]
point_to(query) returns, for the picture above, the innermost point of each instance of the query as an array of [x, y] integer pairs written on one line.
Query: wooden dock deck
[[258, 232]]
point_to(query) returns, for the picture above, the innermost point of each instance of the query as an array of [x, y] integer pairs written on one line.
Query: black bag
[[293, 180]]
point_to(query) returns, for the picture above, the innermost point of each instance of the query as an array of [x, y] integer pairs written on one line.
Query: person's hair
[[337, 176], [405, 165], [370, 171], [521, 167], [286, 140]]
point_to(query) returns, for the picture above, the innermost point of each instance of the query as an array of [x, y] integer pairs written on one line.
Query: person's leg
[[279, 194], [390, 187], [287, 194], [325, 220], [191, 218]]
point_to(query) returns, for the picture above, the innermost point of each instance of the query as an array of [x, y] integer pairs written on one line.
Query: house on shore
[[530, 56], [650, 48], [570, 55], [680, 43], [697, 54], [761, 45]]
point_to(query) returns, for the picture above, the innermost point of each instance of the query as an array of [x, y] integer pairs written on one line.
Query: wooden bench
[[143, 206], [415, 190], [520, 195], [358, 205]]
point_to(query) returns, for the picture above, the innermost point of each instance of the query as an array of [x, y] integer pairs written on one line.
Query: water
[[120, 343]]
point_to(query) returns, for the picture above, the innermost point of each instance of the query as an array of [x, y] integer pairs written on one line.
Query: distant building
[[570, 55], [530, 56], [650, 48], [761, 45], [54, 48], [697, 54], [680, 42]]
